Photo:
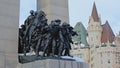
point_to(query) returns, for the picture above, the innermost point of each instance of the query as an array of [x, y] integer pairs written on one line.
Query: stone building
[[103, 48], [80, 47]]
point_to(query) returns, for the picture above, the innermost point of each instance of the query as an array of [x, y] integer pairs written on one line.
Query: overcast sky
[[80, 10]]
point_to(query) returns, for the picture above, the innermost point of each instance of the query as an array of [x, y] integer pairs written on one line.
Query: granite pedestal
[[54, 63]]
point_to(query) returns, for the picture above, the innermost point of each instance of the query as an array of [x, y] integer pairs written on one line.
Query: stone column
[[9, 21], [55, 9]]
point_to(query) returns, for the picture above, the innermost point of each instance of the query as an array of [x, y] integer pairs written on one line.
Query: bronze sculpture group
[[53, 39]]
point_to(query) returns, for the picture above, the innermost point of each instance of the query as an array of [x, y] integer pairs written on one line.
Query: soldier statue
[[52, 40]]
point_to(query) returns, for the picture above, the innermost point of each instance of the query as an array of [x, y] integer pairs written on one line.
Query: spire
[[94, 13]]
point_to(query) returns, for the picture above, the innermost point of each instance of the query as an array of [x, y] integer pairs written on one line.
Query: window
[[101, 54], [108, 60], [116, 55], [92, 46], [96, 37], [101, 62], [108, 66], [80, 55], [91, 38], [92, 51], [92, 58], [92, 65], [96, 27], [108, 54], [92, 26]]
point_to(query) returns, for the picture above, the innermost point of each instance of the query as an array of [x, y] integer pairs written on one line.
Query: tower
[[94, 28], [54, 9], [94, 35]]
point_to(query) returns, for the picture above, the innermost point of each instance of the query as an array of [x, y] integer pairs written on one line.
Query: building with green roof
[[82, 34]]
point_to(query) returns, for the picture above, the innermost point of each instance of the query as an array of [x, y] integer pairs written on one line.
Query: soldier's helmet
[[58, 21], [31, 12], [65, 24]]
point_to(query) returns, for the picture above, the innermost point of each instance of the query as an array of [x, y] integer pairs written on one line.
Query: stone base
[[54, 63]]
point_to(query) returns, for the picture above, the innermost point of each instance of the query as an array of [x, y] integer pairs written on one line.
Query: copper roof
[[107, 34], [94, 13]]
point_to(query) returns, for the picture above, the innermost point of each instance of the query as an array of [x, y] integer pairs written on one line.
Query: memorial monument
[[9, 21], [37, 36], [54, 9]]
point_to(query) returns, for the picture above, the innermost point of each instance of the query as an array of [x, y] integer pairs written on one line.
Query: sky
[[80, 11]]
